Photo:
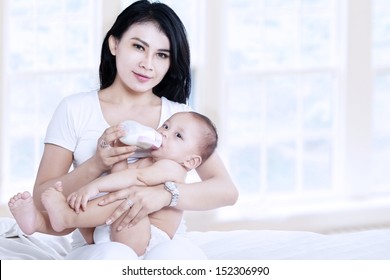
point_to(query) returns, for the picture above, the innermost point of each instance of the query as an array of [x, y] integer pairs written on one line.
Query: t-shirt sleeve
[[61, 129]]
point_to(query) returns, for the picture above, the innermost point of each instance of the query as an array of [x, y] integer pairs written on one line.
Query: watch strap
[[174, 191]]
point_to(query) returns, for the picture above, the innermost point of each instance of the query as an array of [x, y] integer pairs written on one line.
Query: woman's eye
[[138, 47], [163, 55]]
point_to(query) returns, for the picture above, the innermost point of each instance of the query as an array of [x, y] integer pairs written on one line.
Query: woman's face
[[142, 56]]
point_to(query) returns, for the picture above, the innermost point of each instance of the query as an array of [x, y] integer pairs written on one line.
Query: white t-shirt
[[78, 122]]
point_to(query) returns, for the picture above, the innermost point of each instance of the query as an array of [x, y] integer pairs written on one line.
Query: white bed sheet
[[223, 245]]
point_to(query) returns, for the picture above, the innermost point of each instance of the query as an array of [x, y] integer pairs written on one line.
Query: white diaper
[[157, 236], [101, 234]]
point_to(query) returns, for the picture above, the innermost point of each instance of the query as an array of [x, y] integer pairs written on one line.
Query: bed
[[223, 245]]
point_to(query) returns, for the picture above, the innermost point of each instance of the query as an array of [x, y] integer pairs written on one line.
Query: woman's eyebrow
[[147, 45]]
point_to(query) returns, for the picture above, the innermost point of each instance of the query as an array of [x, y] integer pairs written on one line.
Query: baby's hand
[[79, 199]]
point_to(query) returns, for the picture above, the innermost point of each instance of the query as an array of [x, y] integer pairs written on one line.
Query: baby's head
[[189, 138]]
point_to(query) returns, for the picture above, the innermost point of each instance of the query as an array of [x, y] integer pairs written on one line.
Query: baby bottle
[[141, 136]]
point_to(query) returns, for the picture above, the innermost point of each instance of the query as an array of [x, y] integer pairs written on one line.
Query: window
[[51, 49], [302, 88], [282, 91]]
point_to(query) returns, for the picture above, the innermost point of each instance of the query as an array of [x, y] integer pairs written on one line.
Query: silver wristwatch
[[172, 188]]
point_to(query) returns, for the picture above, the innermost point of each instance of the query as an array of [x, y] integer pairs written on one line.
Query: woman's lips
[[141, 78]]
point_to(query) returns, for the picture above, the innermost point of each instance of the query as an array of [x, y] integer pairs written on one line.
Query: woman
[[145, 76]]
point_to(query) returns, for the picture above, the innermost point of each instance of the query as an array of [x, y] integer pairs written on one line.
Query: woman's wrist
[[97, 166], [94, 168]]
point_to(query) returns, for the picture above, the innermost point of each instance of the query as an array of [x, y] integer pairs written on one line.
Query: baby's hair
[[210, 137]]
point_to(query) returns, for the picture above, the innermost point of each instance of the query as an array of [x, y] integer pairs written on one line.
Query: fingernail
[[109, 222], [101, 202], [119, 228]]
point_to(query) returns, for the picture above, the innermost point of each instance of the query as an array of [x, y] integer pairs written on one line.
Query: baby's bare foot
[[55, 204], [25, 213]]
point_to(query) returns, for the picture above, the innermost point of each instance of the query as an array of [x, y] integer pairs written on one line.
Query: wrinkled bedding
[[222, 245]]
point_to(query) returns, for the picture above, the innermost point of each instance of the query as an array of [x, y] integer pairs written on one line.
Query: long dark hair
[[176, 85]]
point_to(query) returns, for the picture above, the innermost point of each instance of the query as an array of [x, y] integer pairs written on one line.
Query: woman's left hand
[[139, 201]]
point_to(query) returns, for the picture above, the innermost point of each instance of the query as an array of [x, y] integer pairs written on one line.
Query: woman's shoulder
[[78, 104], [81, 97]]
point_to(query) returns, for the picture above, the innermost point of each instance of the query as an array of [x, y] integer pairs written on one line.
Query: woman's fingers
[[109, 136], [138, 202], [114, 196], [135, 214], [123, 207], [112, 155], [128, 219], [108, 152]]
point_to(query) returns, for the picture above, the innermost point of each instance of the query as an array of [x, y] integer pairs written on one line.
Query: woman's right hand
[[108, 152], [138, 202]]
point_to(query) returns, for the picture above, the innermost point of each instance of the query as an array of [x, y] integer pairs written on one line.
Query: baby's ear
[[193, 162]]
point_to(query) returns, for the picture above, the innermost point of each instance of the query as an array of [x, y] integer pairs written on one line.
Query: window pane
[[248, 175], [381, 33], [240, 120], [282, 104], [381, 131], [281, 167], [317, 162], [280, 34], [381, 96], [318, 101]]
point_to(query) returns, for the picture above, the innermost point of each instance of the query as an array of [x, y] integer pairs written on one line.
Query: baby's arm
[[157, 173], [119, 166], [160, 172]]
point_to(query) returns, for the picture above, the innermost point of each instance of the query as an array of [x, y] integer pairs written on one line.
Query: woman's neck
[[118, 95], [118, 105]]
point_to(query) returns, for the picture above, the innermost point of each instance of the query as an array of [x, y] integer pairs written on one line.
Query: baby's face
[[181, 136]]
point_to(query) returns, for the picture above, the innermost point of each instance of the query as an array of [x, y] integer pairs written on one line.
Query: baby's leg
[[63, 217], [28, 217], [136, 237]]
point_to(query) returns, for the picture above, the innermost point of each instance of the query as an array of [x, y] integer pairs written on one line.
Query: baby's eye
[[178, 135], [165, 126]]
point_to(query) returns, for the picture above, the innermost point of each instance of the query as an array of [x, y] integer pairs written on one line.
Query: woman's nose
[[147, 63]]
